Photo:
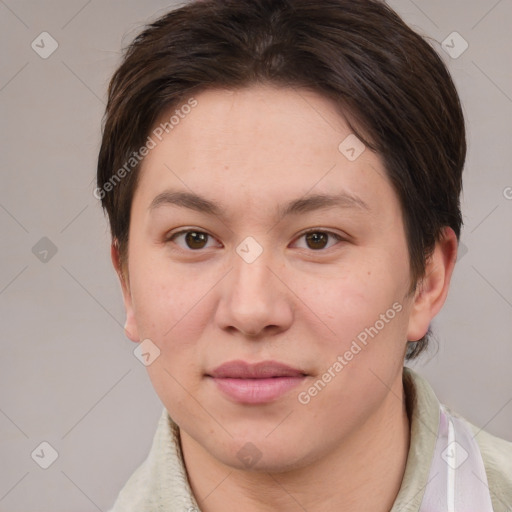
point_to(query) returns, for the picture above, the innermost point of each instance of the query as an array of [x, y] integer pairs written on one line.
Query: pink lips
[[255, 383]]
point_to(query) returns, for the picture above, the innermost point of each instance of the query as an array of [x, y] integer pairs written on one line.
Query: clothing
[[160, 484]]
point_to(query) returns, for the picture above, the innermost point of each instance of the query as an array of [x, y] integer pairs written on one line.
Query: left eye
[[318, 240]]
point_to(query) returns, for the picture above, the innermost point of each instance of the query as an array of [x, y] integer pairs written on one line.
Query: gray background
[[68, 375]]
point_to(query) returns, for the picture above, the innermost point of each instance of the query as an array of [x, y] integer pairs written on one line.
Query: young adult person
[[282, 181]]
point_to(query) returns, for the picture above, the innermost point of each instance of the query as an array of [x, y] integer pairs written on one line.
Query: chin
[[260, 455]]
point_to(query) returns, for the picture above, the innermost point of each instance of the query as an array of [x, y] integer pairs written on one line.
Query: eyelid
[[172, 234], [321, 230]]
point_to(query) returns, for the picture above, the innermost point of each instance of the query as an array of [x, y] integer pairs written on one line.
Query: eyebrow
[[298, 206]]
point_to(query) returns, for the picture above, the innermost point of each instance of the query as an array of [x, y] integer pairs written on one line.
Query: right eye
[[193, 239]]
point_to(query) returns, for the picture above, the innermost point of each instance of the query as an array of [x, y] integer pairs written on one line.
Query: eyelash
[[339, 238]]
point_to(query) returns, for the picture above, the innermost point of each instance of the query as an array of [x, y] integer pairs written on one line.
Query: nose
[[254, 301]]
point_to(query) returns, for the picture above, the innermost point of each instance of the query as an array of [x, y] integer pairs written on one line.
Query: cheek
[[159, 298], [363, 354], [166, 307], [353, 298], [169, 311]]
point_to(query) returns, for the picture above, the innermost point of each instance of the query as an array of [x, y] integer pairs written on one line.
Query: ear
[[130, 326], [432, 289]]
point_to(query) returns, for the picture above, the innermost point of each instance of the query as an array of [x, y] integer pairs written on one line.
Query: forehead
[[266, 143], [256, 119]]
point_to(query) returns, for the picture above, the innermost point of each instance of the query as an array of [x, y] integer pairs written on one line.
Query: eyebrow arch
[[295, 207], [322, 201]]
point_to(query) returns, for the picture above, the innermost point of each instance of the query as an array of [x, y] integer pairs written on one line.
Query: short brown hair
[[386, 80]]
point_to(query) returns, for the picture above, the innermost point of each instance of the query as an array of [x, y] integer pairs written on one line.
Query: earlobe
[[130, 326], [432, 289]]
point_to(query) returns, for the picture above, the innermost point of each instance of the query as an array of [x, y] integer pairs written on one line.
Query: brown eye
[[316, 239], [194, 240]]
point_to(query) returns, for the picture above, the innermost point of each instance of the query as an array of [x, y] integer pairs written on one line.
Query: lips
[[262, 370], [256, 383]]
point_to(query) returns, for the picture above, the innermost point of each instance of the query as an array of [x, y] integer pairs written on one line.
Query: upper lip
[[260, 370]]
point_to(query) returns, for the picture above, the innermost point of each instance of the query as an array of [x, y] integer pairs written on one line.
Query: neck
[[364, 473]]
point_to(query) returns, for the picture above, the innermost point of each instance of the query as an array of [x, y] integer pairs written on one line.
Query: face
[[256, 238]]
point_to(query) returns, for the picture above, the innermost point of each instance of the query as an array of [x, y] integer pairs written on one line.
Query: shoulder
[[497, 458], [496, 453], [160, 482]]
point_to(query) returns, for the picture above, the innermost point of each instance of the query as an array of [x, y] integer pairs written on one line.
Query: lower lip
[[257, 391]]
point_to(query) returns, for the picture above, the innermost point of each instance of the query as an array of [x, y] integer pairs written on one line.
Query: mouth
[[256, 383]]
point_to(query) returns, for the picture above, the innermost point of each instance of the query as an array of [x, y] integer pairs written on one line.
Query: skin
[[252, 150]]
